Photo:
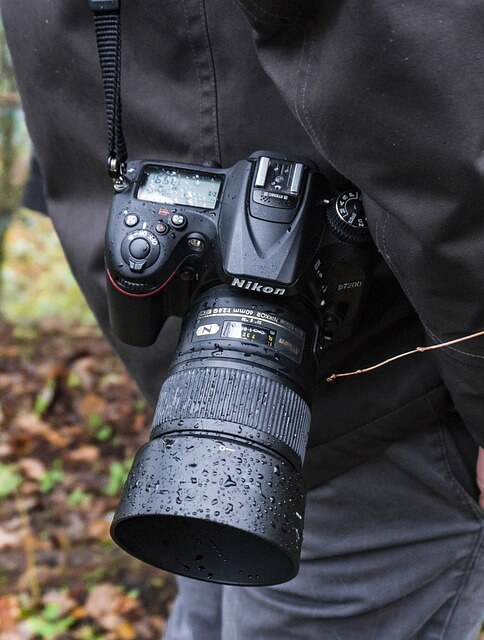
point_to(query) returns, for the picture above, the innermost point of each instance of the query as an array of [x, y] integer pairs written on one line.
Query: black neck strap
[[108, 36]]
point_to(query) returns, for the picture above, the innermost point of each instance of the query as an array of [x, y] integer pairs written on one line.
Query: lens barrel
[[217, 493]]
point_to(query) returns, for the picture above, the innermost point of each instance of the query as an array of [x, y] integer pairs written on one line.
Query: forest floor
[[71, 421]]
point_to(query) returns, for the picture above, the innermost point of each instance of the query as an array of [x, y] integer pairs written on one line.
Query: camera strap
[[108, 37]]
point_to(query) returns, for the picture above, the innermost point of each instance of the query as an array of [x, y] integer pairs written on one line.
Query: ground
[[70, 422]]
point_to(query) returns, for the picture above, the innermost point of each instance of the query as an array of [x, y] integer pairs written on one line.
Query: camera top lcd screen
[[179, 186]]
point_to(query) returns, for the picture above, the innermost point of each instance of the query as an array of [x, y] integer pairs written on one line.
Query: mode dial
[[346, 218]]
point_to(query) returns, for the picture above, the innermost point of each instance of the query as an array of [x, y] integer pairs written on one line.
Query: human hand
[[480, 476]]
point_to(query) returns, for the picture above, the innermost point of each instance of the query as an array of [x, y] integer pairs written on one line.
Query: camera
[[268, 267]]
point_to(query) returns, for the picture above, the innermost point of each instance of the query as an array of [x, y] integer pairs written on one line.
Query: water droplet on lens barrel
[[229, 482]]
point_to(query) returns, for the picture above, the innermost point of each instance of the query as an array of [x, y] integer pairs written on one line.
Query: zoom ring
[[238, 396]]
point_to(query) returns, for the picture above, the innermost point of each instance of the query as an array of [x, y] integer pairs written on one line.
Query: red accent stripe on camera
[[138, 295]]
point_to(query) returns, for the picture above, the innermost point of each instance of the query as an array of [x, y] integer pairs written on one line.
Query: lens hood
[[212, 507]]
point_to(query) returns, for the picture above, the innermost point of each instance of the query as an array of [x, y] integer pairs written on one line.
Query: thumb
[[480, 476]]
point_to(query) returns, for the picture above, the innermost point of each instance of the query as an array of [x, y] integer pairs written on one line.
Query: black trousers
[[392, 550]]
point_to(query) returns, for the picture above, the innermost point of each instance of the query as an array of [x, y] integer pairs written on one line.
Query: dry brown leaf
[[6, 450], [99, 529], [9, 539], [29, 488], [40, 573], [128, 604], [138, 424], [7, 379], [86, 454], [102, 600], [92, 404], [125, 631], [110, 621], [32, 468], [84, 370], [50, 370], [34, 426], [9, 611], [61, 599], [78, 613]]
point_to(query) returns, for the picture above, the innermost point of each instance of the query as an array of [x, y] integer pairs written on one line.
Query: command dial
[[140, 249], [346, 218]]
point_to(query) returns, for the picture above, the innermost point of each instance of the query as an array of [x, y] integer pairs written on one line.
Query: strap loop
[[108, 37]]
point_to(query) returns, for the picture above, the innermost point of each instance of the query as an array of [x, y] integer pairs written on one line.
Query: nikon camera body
[[268, 267]]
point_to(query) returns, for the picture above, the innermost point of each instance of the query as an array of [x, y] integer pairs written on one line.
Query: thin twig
[[439, 345]]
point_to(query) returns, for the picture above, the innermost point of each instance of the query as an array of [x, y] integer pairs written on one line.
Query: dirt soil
[[70, 422]]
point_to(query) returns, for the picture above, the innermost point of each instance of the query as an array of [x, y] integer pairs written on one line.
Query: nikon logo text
[[257, 286]]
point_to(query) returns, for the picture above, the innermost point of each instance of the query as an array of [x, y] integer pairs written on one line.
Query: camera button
[[179, 221], [161, 227], [131, 220], [139, 248]]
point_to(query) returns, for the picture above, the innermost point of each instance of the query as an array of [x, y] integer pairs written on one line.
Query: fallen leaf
[[79, 612], [86, 454], [29, 488], [9, 611], [102, 600], [35, 426], [9, 540], [60, 599], [139, 423], [41, 574], [32, 468], [99, 529], [83, 371], [110, 622], [6, 450], [92, 404], [125, 630]]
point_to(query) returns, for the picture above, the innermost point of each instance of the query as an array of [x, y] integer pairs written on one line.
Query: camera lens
[[217, 493]]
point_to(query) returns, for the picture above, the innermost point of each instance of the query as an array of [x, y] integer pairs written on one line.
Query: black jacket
[[386, 94]]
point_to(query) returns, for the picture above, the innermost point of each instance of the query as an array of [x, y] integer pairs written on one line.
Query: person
[[388, 96]]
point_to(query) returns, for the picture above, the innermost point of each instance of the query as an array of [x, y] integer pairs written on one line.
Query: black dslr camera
[[268, 267]]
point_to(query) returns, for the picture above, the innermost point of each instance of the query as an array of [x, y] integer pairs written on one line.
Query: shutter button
[[139, 248]]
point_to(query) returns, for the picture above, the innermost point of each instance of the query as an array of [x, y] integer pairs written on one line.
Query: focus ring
[[233, 395]]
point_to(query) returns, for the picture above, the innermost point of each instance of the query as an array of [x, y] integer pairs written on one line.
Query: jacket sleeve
[[392, 94]]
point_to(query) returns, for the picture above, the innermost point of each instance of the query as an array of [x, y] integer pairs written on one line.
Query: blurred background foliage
[[28, 244], [13, 144], [31, 247], [71, 420]]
